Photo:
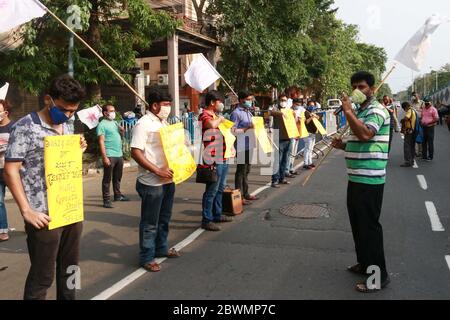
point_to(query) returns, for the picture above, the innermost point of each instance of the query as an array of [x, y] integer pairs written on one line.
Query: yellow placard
[[319, 127], [177, 154], [303, 131], [290, 124], [64, 179], [230, 138], [261, 134]]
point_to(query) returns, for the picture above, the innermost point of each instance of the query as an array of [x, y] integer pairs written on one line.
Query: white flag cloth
[[414, 52], [16, 12], [4, 91], [90, 116], [201, 74]]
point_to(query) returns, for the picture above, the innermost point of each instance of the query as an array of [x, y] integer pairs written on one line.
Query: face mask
[[164, 113], [2, 116], [284, 104], [57, 116], [358, 97], [221, 107], [310, 108], [248, 104], [111, 115]]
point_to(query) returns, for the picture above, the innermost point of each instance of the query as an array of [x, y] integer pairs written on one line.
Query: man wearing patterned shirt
[[366, 153]]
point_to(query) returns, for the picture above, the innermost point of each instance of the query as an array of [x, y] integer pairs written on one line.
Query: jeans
[[242, 171], [292, 154], [156, 211], [282, 162], [3, 217], [428, 143], [310, 141], [115, 171], [46, 248], [364, 204], [212, 198]]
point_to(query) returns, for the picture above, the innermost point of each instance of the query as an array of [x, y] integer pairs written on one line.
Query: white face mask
[[164, 113], [221, 107], [111, 115], [358, 97], [284, 104], [2, 115]]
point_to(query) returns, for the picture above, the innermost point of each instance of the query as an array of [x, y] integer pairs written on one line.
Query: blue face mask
[[248, 104], [310, 108], [57, 116]]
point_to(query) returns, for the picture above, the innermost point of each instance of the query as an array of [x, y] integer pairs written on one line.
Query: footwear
[[290, 175], [357, 269], [211, 226], [152, 267], [311, 167], [172, 253], [4, 237], [285, 182], [306, 167], [406, 165], [121, 198], [275, 185], [246, 202], [296, 173], [224, 219], [428, 159], [252, 198], [108, 205], [362, 287]]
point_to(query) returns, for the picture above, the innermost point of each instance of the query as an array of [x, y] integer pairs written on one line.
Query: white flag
[[4, 91], [414, 52], [90, 116], [201, 74], [16, 12]]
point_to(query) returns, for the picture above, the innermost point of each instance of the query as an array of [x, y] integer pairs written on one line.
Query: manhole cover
[[306, 211]]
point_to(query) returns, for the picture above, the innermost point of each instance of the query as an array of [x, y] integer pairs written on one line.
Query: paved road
[[263, 254]]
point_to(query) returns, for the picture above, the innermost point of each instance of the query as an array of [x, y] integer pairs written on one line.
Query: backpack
[[418, 130]]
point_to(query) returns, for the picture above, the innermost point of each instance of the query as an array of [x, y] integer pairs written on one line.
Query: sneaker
[[108, 205], [295, 173], [285, 182], [121, 198], [290, 175], [275, 185], [306, 167], [224, 219], [211, 226]]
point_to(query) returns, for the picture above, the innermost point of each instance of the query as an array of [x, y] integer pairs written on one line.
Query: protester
[[24, 175], [213, 156], [310, 140], [388, 104], [408, 130], [154, 182], [367, 175], [430, 119], [110, 141], [417, 104], [245, 143], [299, 110], [284, 144], [5, 129]]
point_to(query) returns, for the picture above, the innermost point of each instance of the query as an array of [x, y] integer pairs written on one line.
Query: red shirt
[[213, 140], [429, 116]]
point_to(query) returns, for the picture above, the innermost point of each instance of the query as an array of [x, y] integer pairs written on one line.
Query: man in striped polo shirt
[[366, 152]]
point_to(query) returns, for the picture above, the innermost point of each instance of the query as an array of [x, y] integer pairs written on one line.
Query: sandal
[[362, 287], [152, 267], [4, 237], [357, 269], [173, 253]]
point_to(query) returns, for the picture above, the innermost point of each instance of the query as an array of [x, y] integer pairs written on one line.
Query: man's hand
[[221, 119], [346, 104], [36, 219], [165, 173], [106, 162], [83, 143], [338, 144], [121, 129]]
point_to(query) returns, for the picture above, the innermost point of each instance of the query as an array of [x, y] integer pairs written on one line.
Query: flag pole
[[98, 56], [346, 129]]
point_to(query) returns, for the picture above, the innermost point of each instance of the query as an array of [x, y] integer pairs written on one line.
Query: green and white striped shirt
[[367, 160]]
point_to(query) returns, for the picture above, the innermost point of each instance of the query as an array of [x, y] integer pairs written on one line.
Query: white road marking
[[415, 166], [436, 224], [447, 258], [118, 286], [422, 182]]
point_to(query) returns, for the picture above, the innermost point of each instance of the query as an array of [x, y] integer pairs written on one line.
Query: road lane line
[[447, 258], [415, 166], [118, 286], [422, 182], [436, 224]]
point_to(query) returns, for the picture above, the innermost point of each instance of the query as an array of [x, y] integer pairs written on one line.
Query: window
[[146, 66]]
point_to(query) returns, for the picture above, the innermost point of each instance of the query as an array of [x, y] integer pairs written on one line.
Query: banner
[[289, 123], [230, 138], [261, 134], [64, 179], [320, 127], [4, 91], [14, 12], [177, 154], [302, 127], [201, 74], [90, 116]]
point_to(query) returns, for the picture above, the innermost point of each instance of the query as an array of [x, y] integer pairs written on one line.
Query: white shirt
[[146, 137], [298, 112]]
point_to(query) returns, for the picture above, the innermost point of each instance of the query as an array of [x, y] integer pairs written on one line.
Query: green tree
[[116, 29]]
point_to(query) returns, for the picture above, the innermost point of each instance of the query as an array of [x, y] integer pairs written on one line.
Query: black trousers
[[428, 143], [114, 171], [364, 204], [46, 248], [242, 171], [409, 151]]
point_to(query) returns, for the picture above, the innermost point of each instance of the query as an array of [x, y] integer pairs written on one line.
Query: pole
[[70, 62], [98, 56], [345, 130]]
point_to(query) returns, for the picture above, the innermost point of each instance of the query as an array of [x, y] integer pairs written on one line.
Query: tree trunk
[[93, 39]]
